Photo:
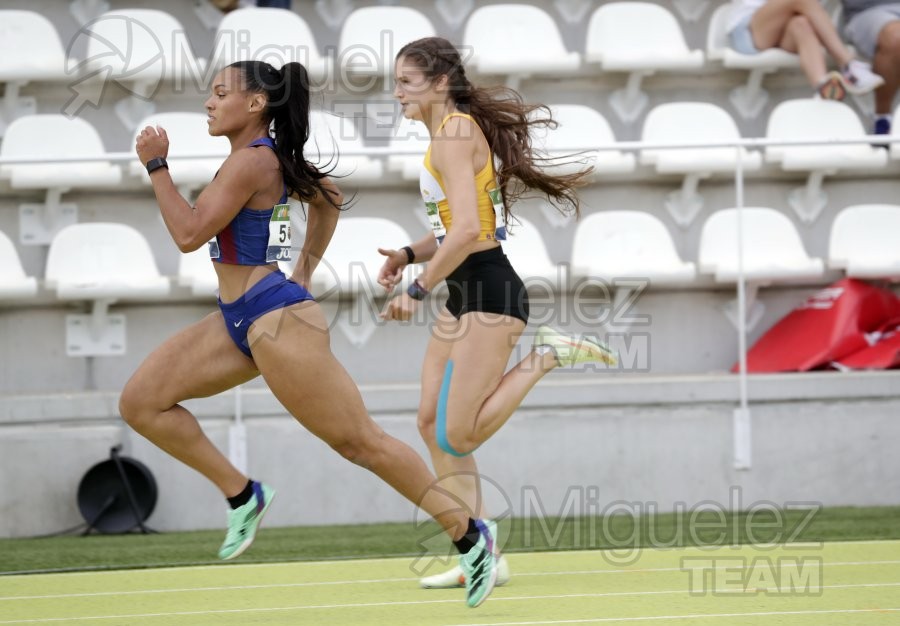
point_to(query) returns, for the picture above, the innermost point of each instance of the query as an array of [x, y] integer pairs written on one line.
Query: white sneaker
[[571, 349], [859, 78], [454, 578]]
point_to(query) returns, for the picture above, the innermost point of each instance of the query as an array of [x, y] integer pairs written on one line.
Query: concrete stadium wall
[[581, 444]]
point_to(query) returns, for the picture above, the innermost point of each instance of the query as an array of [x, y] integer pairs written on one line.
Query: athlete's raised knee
[[133, 406], [460, 442]]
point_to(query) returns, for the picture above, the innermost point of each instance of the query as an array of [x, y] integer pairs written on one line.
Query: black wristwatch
[[156, 163], [416, 291]]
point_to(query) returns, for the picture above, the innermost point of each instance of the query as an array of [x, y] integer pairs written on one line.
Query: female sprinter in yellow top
[[466, 396]]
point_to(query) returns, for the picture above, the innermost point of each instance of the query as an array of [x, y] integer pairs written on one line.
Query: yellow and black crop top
[[490, 200]]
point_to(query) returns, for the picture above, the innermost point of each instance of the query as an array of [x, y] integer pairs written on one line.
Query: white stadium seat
[[580, 131], [612, 244], [818, 119], [517, 40], [750, 98], [352, 261], [30, 50], [639, 38], [863, 241], [276, 36], [771, 249], [526, 251], [49, 136], [350, 268], [140, 48], [692, 122], [14, 284], [188, 135], [101, 263], [623, 248], [330, 132], [372, 36]]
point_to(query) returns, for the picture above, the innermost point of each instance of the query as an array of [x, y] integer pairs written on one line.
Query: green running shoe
[[479, 565], [244, 520], [570, 349]]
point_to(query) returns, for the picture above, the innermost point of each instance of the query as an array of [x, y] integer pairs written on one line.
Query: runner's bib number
[[434, 218], [496, 197], [279, 248]]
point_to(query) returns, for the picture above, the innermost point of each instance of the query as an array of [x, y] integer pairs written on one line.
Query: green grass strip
[[621, 532]]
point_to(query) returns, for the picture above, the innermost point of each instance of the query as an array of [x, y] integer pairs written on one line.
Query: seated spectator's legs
[[887, 63], [876, 34], [802, 26], [799, 37], [771, 21]]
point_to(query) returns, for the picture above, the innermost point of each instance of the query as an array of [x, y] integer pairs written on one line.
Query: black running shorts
[[485, 281]]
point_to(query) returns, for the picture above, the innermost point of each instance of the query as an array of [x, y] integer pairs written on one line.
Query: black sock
[[468, 541], [243, 497]]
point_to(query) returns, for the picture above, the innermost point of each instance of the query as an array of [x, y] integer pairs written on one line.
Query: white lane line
[[601, 620], [357, 605], [729, 567], [204, 589]]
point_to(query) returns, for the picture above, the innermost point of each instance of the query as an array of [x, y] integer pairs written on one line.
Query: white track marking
[[388, 580], [602, 620], [448, 601]]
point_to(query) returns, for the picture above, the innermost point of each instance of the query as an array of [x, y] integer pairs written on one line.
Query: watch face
[[415, 291], [155, 164]]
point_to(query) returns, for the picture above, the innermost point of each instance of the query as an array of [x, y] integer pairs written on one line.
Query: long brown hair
[[506, 121]]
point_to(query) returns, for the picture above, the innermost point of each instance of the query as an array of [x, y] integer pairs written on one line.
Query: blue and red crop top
[[255, 236]]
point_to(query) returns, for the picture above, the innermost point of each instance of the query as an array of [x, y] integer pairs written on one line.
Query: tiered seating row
[[195, 155], [102, 263], [140, 48]]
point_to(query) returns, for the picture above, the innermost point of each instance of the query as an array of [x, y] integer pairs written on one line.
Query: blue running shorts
[[273, 292]]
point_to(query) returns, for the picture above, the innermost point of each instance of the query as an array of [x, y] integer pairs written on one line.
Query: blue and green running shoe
[[244, 520]]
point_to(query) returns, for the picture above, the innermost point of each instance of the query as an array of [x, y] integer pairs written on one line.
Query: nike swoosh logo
[[239, 322]]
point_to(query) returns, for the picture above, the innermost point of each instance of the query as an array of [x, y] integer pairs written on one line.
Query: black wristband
[[156, 163], [410, 255], [416, 291]]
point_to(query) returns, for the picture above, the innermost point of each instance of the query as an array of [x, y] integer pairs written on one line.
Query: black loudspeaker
[[117, 496]]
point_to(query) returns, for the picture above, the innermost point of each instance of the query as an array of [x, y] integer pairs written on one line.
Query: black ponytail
[[287, 107]]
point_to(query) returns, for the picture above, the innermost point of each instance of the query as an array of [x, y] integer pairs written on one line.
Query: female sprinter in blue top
[[466, 396], [266, 323]]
